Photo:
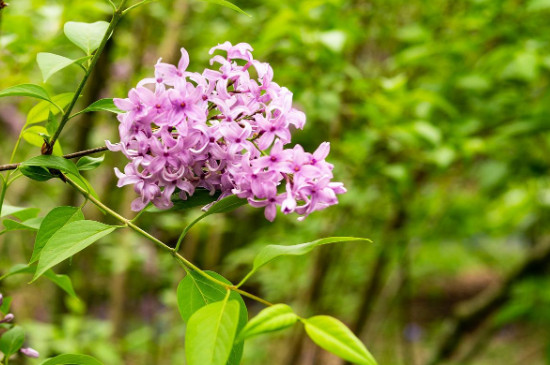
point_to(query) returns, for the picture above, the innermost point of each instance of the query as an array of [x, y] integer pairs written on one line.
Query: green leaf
[[41, 111], [52, 162], [5, 307], [274, 318], [225, 205], [54, 221], [32, 224], [87, 36], [89, 163], [36, 173], [69, 240], [51, 125], [31, 90], [102, 105], [333, 336], [22, 213], [72, 359], [12, 340], [229, 5], [271, 252], [195, 291], [211, 332], [50, 63], [63, 281]]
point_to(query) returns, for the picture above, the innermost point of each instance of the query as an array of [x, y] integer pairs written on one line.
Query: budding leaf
[[31, 90], [211, 332], [274, 318], [53, 222], [11, 341], [68, 241], [271, 252], [195, 292], [87, 36], [333, 336], [50, 63], [89, 163], [74, 359]]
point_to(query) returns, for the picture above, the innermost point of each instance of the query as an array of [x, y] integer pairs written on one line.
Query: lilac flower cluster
[[224, 130], [27, 351]]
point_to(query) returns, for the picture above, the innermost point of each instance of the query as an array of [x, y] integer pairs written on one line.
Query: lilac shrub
[[224, 130]]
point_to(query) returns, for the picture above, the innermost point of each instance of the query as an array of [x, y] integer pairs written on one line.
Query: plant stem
[[65, 118], [188, 264]]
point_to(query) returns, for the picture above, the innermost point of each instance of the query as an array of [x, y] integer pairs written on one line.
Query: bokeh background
[[438, 117]]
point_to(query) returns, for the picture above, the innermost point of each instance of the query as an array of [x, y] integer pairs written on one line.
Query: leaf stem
[[188, 264], [65, 118]]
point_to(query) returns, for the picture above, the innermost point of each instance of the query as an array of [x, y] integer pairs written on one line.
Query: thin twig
[[13, 166]]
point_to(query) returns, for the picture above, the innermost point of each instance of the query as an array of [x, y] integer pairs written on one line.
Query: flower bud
[[30, 352]]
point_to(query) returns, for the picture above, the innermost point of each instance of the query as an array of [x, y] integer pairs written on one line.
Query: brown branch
[[13, 166]]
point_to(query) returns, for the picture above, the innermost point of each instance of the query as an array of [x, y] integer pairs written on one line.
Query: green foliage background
[[438, 117]]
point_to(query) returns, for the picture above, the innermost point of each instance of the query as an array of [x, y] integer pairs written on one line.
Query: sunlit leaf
[[87, 36], [333, 336], [274, 318], [50, 63]]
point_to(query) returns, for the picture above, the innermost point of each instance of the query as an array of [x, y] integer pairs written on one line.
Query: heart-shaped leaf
[[87, 36]]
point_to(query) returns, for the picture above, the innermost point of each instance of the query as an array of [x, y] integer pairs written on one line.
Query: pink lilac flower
[[224, 130]]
